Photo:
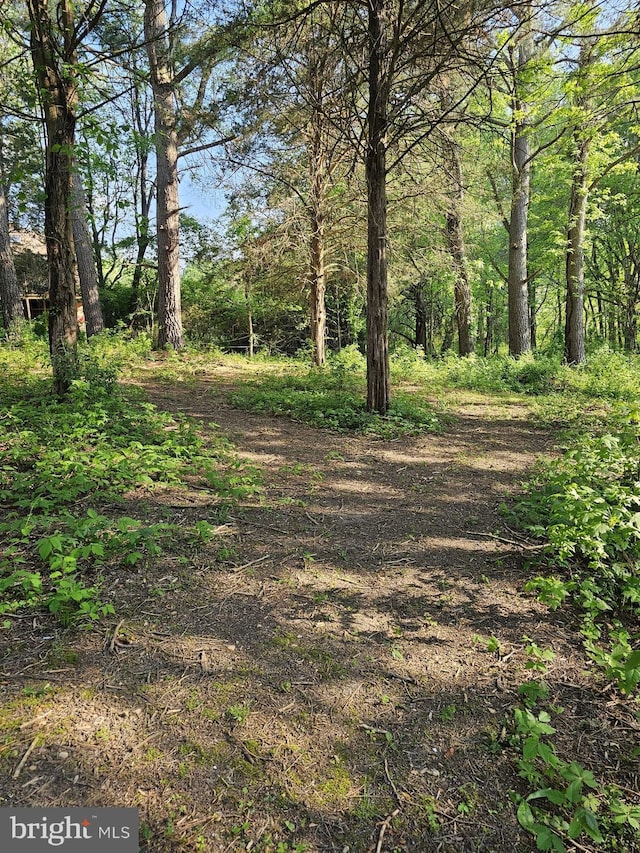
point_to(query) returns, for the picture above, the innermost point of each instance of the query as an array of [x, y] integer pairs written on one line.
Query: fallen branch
[[35, 720], [114, 637], [505, 540], [250, 563], [391, 783], [25, 757], [384, 827]]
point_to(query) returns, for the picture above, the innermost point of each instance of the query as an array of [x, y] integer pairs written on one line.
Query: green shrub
[[586, 507]]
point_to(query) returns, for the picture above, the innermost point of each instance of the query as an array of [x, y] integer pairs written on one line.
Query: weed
[[448, 713], [237, 713]]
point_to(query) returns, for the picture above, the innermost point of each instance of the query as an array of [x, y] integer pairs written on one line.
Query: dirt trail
[[323, 674]]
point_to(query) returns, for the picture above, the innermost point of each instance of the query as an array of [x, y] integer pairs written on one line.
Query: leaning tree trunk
[[378, 385], [57, 81], [167, 201], [85, 260], [518, 296], [12, 310]]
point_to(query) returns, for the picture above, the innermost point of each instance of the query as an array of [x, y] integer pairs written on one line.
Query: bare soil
[[318, 674]]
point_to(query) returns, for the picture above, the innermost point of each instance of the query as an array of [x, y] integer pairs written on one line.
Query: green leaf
[[551, 794], [530, 748], [546, 839], [633, 661], [45, 548], [574, 791], [525, 816]]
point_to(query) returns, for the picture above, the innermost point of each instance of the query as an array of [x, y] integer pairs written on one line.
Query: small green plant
[[494, 645], [566, 801], [237, 713]]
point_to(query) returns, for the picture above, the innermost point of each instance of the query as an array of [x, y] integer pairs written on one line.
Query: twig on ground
[[25, 757], [257, 524], [114, 637], [505, 540], [34, 720], [391, 783], [384, 827], [250, 563]]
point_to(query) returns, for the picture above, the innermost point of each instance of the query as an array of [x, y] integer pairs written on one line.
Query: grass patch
[[333, 398]]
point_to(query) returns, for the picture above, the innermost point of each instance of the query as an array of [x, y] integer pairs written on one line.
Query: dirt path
[[335, 671]]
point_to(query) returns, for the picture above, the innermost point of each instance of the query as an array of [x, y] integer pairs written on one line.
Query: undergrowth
[[62, 460], [585, 507], [333, 397], [564, 801]]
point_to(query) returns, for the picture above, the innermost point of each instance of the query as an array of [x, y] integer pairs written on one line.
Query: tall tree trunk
[[318, 289], [378, 385], [318, 177], [247, 302], [170, 331], [142, 196], [455, 242], [56, 79], [12, 311], [86, 263], [421, 319], [533, 309], [519, 328], [574, 351], [490, 324], [317, 271], [454, 230]]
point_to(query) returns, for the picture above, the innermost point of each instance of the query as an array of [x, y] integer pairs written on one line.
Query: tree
[[86, 263], [54, 43], [175, 121], [454, 233], [520, 55], [12, 311], [409, 46], [163, 83], [600, 92]]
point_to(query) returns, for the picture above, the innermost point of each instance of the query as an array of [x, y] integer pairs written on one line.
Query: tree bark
[[170, 331], [518, 296], [85, 260], [378, 385], [421, 320], [574, 349], [317, 271], [455, 242], [317, 288], [54, 65], [12, 311]]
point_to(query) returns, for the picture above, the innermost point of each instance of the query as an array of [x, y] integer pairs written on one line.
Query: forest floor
[[336, 670]]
